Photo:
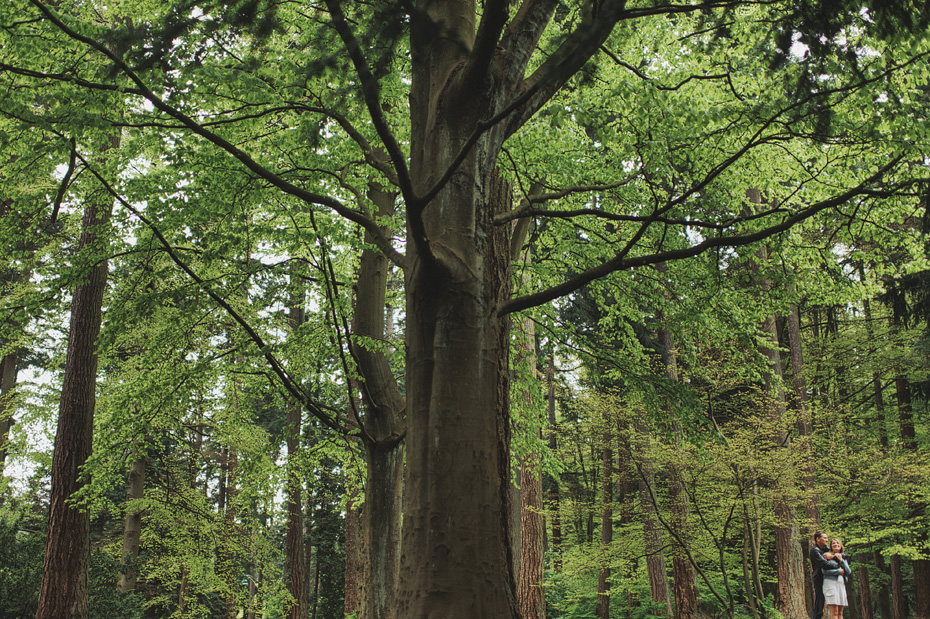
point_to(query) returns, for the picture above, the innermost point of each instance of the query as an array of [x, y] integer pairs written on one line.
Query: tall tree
[[480, 75], [67, 547]]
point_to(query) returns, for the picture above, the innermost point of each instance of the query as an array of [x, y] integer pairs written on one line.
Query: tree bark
[[7, 385], [789, 593], [799, 382], [865, 587], [530, 591], [898, 604], [132, 524], [554, 493], [298, 582], [64, 586], [683, 578], [607, 531], [383, 425], [655, 555]]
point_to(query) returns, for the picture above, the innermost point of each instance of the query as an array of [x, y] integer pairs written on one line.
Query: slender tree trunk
[[884, 597], [555, 514], [789, 596], [298, 579], [655, 555], [354, 555], [295, 564], [799, 382], [530, 591], [921, 567], [683, 578], [607, 531], [898, 604], [748, 586], [382, 422], [64, 586], [7, 385], [132, 524], [865, 587]]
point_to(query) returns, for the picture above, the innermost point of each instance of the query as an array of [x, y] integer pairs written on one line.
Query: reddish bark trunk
[[789, 591], [67, 547], [865, 587], [555, 514], [298, 581]]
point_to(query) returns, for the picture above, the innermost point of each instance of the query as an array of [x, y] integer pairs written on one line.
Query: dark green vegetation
[[457, 309]]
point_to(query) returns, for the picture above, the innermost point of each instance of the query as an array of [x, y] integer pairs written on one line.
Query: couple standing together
[[830, 573]]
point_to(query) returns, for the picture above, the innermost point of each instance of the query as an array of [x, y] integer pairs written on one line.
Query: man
[[817, 564]]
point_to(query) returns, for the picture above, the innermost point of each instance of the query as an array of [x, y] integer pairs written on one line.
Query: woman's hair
[[836, 539]]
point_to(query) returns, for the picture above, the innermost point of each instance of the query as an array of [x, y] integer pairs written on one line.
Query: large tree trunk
[[456, 560], [67, 546], [799, 382]]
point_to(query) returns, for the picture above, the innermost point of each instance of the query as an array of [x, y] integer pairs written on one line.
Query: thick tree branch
[[493, 20], [522, 35], [621, 262]]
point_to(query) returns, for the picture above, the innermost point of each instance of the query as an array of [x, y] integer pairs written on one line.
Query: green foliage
[[22, 542]]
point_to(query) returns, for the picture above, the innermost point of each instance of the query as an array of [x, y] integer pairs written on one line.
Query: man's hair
[[818, 535]]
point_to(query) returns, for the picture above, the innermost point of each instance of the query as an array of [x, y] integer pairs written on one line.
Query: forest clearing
[[458, 309]]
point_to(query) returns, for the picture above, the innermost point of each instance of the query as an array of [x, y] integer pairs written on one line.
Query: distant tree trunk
[[627, 491], [353, 555], [898, 604], [747, 572], [921, 567], [865, 588], [530, 592], [226, 559], [132, 524], [884, 596], [7, 385], [554, 487], [789, 594], [530, 574], [607, 532], [67, 546], [298, 579], [799, 382], [655, 555], [683, 579], [382, 423]]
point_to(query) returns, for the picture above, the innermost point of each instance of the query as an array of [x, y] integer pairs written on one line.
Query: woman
[[835, 573]]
